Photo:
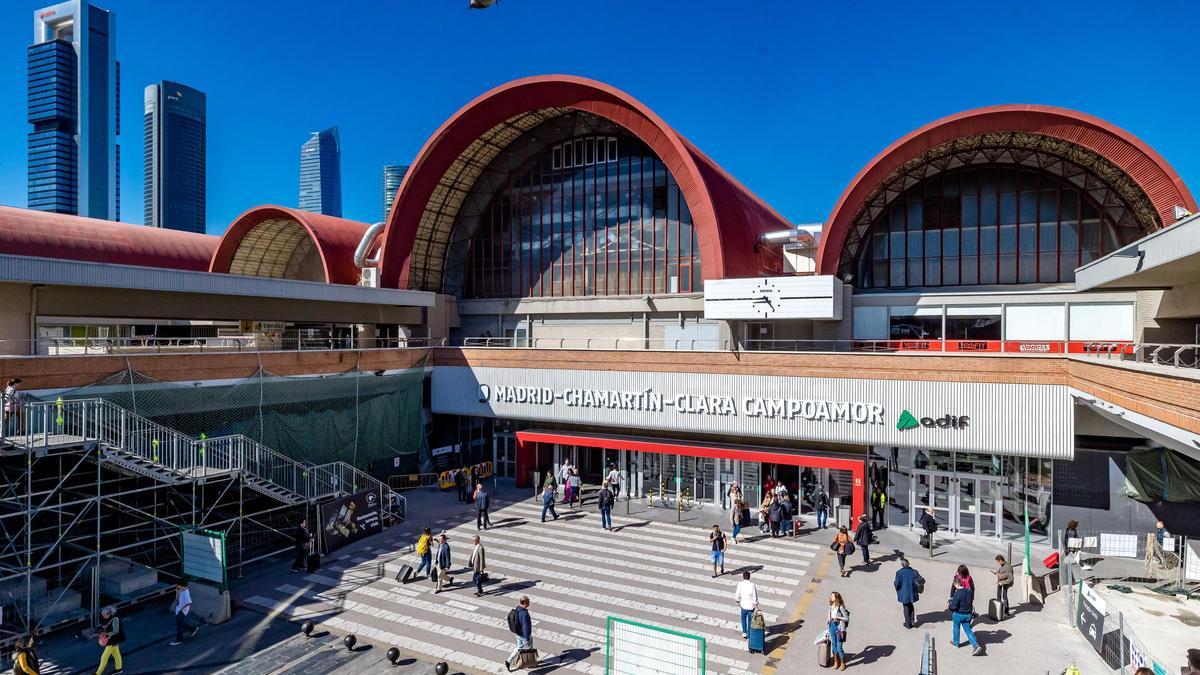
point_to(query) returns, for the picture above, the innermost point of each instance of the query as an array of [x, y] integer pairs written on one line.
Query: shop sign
[[910, 421]]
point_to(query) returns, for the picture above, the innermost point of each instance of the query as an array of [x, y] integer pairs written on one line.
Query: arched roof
[[55, 235], [1162, 187], [272, 241], [727, 216]]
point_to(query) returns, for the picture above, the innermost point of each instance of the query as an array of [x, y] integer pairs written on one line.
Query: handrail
[[46, 423], [94, 346]]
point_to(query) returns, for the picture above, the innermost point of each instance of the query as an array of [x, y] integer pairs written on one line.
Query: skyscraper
[[321, 173], [74, 107], [174, 133], [393, 176]]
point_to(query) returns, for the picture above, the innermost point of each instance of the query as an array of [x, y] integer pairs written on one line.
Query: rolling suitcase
[[757, 637], [996, 610], [824, 658], [405, 574], [314, 562]]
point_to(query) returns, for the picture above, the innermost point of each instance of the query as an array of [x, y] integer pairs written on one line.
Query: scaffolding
[[94, 498]]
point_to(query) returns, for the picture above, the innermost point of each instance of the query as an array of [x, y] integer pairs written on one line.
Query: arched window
[[986, 224], [591, 215]]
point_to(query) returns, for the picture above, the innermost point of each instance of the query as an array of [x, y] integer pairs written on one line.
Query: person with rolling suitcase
[[757, 639], [929, 525], [424, 546], [520, 624], [998, 607], [746, 596], [838, 621]]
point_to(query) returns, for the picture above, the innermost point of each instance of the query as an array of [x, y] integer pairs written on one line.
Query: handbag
[[103, 639], [849, 548], [527, 658]]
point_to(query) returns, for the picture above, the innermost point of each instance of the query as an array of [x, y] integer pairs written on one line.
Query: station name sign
[[649, 400]]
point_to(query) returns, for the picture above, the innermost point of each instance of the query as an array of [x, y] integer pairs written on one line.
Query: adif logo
[[909, 421]]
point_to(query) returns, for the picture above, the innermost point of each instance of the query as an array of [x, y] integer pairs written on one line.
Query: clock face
[[766, 298]]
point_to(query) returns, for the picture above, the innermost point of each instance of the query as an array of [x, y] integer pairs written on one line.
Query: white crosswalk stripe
[[577, 576]]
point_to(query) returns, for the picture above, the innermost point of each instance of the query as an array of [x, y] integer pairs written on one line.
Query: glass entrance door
[[980, 505], [938, 490]]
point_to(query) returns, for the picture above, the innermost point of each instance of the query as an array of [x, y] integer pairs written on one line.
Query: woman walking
[[838, 621], [764, 514], [735, 518], [25, 660], [1071, 541], [111, 637], [843, 546]]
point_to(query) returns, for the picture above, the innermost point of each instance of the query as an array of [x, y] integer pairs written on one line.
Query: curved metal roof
[[727, 216], [54, 235], [285, 243]]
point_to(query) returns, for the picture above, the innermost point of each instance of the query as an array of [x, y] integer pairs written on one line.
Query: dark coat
[[443, 556], [862, 536], [483, 501], [906, 583], [548, 497], [525, 622], [775, 512], [605, 500], [928, 522], [963, 601]]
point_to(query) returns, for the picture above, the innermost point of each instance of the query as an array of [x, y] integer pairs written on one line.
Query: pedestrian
[[775, 515], [962, 612], [1004, 581], [614, 481], [746, 597], [520, 625], [717, 539], [735, 519], [12, 407], [565, 475], [883, 504], [962, 576], [112, 634], [443, 563], [821, 506], [785, 515], [302, 540], [25, 659], [1072, 542], [863, 536], [843, 546], [909, 585], [460, 481], [483, 502], [929, 525], [837, 621], [876, 507], [606, 501], [478, 566], [424, 546], [548, 502], [183, 607], [764, 515], [576, 488], [781, 490], [735, 493]]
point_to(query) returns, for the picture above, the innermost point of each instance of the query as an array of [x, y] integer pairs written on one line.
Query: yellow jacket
[[423, 544]]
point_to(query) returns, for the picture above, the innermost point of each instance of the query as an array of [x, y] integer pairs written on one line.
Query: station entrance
[[686, 470]]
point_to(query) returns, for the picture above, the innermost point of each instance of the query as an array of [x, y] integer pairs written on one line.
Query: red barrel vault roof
[[335, 240], [54, 235], [728, 218]]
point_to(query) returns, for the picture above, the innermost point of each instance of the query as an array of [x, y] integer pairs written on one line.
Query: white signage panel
[[1012, 419], [795, 297]]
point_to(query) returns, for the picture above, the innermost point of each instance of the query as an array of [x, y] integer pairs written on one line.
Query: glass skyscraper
[[321, 173], [174, 135], [393, 176], [74, 107]]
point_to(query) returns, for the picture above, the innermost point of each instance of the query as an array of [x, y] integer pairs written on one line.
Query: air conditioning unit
[[370, 277]]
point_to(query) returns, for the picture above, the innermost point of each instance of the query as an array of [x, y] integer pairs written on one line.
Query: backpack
[[514, 621]]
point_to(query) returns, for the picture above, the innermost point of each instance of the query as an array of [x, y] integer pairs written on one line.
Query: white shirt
[[614, 477], [566, 471], [746, 594], [183, 604]]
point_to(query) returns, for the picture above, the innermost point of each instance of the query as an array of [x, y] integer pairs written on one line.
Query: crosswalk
[[576, 575]]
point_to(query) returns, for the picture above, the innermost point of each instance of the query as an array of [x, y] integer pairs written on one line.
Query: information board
[[204, 555], [349, 519]]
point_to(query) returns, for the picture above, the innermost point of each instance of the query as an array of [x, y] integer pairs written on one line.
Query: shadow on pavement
[[871, 654], [991, 637]]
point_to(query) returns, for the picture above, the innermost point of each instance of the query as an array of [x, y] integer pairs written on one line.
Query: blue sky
[[793, 98]]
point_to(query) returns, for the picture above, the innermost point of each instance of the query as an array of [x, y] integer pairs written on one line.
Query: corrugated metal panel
[[1008, 419], [53, 272]]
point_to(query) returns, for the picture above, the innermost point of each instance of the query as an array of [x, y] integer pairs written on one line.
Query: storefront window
[[918, 323], [973, 323]]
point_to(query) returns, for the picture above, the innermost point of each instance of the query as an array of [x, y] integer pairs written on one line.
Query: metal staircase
[[137, 445]]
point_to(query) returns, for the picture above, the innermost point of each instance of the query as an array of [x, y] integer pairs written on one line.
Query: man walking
[[483, 501], [614, 481], [908, 583], [460, 481], [302, 540], [863, 536], [606, 501], [478, 566], [717, 539], [520, 625], [821, 506], [876, 507], [962, 611], [183, 605], [443, 563], [929, 525], [548, 502], [576, 488], [746, 596]]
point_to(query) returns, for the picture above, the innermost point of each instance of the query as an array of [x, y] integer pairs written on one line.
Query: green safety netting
[[1162, 475], [356, 416]]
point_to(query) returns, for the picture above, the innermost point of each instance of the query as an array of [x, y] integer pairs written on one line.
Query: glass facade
[[594, 215], [175, 157], [53, 157], [321, 173], [393, 176], [983, 225]]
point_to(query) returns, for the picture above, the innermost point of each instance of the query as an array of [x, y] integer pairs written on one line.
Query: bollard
[[306, 628], [393, 655], [350, 641]]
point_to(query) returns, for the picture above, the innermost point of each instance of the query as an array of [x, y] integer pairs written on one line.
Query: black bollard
[[306, 628], [393, 655], [349, 641], [441, 668]]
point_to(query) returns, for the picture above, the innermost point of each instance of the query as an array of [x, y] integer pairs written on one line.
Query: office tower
[[174, 134], [393, 175], [74, 107], [321, 173]]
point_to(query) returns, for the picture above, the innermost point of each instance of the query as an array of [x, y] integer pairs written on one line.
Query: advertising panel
[[349, 519]]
